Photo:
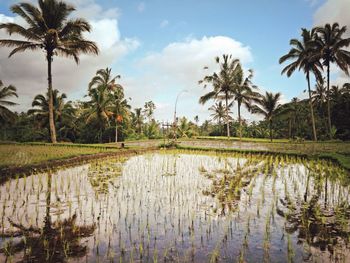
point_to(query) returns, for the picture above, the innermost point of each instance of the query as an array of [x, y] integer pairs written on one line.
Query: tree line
[[108, 116]]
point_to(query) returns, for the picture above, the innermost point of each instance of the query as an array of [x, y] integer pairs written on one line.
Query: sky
[[160, 48]]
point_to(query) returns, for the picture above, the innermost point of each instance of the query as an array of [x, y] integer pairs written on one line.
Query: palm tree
[[149, 110], [5, 93], [196, 120], [104, 79], [105, 82], [346, 87], [120, 108], [331, 47], [184, 129], [303, 56], [219, 112], [269, 107], [243, 93], [319, 96], [223, 84], [138, 119], [49, 29], [292, 111], [63, 112], [99, 108], [336, 93]]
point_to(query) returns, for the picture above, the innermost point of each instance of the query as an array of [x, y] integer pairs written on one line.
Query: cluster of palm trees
[[49, 29], [107, 101], [107, 106], [315, 52], [229, 85]]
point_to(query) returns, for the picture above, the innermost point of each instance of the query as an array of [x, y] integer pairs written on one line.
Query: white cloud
[[312, 2], [164, 23], [141, 7], [179, 66], [333, 11], [27, 71]]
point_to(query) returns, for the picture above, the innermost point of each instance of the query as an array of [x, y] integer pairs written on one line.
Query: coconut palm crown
[[331, 46], [6, 115], [48, 28], [223, 83], [268, 106], [302, 55]]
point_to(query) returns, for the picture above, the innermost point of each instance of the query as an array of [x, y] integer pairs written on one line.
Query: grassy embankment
[[34, 153], [337, 151], [28, 154]]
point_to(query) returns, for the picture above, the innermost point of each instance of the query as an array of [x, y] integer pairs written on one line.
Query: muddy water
[[179, 207]]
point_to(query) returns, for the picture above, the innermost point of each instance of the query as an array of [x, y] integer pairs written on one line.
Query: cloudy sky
[[160, 47]]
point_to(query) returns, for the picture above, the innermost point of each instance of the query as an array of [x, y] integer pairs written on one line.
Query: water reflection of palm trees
[[229, 182], [321, 219], [55, 242]]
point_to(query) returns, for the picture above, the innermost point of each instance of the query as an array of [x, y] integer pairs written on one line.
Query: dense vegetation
[[108, 116]]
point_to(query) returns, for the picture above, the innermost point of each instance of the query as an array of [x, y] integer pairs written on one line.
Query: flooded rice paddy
[[179, 207]]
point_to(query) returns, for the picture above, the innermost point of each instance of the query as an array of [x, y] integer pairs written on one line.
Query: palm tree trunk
[[51, 117], [290, 129], [239, 121], [270, 127], [307, 187], [47, 219], [116, 131], [326, 192], [227, 118], [101, 135], [311, 108], [329, 104]]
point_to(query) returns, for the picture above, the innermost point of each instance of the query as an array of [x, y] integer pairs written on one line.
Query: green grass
[[259, 140], [224, 138], [26, 154], [330, 151], [16, 154], [342, 159]]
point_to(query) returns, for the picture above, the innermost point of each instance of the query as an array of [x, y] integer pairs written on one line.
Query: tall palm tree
[[63, 112], [103, 81], [292, 111], [5, 93], [49, 29], [319, 96], [243, 93], [120, 108], [219, 112], [331, 46], [138, 119], [99, 108], [303, 55], [223, 84], [149, 110], [269, 107]]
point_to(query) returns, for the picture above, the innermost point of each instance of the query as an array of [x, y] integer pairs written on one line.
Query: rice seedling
[[214, 207]]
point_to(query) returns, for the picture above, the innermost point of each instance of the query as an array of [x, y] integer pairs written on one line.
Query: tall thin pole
[[175, 121]]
